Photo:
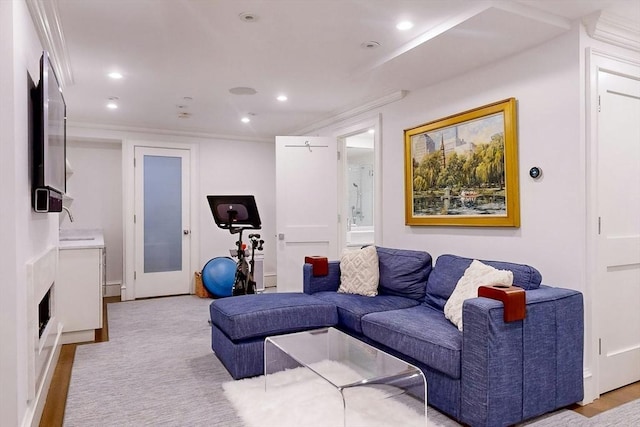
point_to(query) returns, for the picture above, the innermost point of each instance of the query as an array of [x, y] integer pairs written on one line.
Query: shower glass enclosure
[[359, 189]]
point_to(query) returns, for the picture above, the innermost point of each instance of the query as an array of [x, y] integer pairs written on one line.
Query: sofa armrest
[[313, 284], [515, 371]]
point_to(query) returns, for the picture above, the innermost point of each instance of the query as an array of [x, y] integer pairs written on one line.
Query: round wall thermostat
[[535, 172]]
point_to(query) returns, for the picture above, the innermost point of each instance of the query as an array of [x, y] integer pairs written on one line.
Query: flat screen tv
[[49, 181]]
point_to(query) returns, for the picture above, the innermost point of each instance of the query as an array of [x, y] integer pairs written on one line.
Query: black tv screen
[[49, 144], [55, 119]]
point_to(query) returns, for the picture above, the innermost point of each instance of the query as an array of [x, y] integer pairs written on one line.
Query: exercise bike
[[244, 282], [236, 214]]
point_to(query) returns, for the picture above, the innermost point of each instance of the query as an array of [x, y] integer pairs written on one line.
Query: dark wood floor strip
[[53, 413], [609, 400]]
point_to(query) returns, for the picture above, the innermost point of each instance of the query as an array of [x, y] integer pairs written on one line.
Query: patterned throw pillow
[[359, 272], [476, 275]]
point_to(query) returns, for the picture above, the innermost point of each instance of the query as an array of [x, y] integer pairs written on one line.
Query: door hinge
[[599, 105], [134, 275], [339, 219], [599, 225], [600, 346], [338, 155], [134, 162], [134, 218]]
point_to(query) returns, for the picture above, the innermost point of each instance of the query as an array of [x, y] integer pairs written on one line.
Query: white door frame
[[596, 60], [128, 179], [353, 128]]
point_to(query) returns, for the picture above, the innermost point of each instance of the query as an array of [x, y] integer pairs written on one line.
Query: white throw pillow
[[359, 272], [476, 275]]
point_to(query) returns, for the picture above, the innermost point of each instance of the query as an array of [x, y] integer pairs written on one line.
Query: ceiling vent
[[248, 17], [241, 90], [370, 45]]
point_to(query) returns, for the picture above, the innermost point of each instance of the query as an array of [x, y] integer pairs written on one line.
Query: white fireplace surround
[[43, 351]]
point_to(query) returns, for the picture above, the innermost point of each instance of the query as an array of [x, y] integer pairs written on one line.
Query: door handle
[[186, 232]]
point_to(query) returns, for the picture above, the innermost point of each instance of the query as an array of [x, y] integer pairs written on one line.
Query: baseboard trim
[[112, 289], [78, 336]]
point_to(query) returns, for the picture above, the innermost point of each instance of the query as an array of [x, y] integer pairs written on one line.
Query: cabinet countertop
[[81, 239]]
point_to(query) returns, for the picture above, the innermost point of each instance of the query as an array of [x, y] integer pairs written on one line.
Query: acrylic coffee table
[[366, 368]]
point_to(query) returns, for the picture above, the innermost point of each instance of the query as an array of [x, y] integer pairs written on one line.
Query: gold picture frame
[[462, 170]]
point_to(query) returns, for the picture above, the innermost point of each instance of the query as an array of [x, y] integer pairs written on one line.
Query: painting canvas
[[462, 170]]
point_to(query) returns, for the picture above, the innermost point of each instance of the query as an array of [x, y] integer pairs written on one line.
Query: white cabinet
[[79, 292]]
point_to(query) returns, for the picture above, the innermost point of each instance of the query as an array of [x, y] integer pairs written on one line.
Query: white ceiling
[[309, 49]]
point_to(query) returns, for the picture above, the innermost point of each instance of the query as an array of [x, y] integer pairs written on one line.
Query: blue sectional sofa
[[492, 373]]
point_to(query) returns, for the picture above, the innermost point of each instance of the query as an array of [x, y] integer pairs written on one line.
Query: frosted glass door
[[162, 213], [162, 222]]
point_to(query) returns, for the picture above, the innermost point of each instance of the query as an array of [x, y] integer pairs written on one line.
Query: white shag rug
[[298, 397]]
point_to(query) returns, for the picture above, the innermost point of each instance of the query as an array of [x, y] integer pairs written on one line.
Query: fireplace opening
[[44, 312]]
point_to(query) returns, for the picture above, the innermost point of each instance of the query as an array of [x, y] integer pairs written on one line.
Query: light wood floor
[[53, 413]]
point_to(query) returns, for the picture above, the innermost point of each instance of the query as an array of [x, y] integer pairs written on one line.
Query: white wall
[[23, 234], [545, 81], [237, 167], [225, 166], [96, 188]]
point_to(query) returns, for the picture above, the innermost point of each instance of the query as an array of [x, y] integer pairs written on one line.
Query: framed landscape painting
[[462, 170]]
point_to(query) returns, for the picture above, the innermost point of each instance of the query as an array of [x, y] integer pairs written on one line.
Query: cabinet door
[[78, 289]]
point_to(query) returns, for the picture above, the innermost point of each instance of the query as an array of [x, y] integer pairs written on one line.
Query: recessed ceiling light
[[115, 75], [371, 131], [282, 98], [112, 105], [404, 25], [245, 120]]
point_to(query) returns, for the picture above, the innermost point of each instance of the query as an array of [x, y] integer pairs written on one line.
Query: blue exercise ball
[[218, 275]]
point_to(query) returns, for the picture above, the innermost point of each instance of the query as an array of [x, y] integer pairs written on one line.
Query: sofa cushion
[[260, 315], [359, 273], [403, 272], [421, 333], [476, 275], [450, 268], [352, 307]]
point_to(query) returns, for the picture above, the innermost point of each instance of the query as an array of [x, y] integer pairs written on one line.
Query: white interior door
[[306, 204], [162, 229], [618, 245]]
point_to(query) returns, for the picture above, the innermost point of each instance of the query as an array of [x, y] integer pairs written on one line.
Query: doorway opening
[[359, 188], [359, 201]]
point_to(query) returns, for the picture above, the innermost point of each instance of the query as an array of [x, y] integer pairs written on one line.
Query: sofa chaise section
[[240, 324]]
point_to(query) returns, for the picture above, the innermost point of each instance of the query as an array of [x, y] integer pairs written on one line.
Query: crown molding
[[86, 130], [46, 19], [614, 29], [347, 114]]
